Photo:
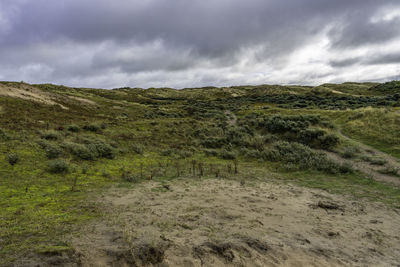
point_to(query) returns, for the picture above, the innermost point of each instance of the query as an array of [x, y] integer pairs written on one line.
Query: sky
[[194, 43]]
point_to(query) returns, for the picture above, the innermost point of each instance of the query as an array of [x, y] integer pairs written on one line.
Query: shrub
[[90, 148], [138, 148], [349, 152], [73, 128], [311, 137], [390, 170], [92, 127], [305, 158], [375, 160], [3, 136], [50, 135], [53, 151], [213, 142], [211, 152], [98, 147], [58, 166], [257, 142], [127, 176], [79, 150], [12, 158], [183, 153], [328, 141], [345, 168], [166, 152], [225, 154], [101, 150]]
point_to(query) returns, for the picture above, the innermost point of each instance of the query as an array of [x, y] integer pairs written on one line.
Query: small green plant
[[349, 152], [58, 166], [12, 158], [85, 169], [127, 176], [375, 160], [390, 170], [73, 128]]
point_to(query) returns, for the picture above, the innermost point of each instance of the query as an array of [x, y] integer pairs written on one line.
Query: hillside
[[200, 176]]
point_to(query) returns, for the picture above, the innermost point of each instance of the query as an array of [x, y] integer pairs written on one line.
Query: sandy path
[[392, 160], [223, 223], [366, 167]]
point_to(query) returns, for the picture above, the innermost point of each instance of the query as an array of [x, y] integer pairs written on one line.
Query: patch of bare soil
[[29, 93], [227, 223], [83, 100]]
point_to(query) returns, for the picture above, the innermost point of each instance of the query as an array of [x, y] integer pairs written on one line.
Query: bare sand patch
[[224, 223], [29, 93]]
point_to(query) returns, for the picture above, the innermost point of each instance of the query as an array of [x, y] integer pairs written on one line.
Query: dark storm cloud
[[344, 62], [360, 29], [391, 58], [369, 59], [88, 42]]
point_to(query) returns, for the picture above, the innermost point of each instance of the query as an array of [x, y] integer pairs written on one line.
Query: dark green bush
[[138, 148], [102, 150], [303, 157], [103, 125], [53, 151], [92, 127], [166, 152], [328, 141], [183, 153], [225, 154], [3, 136], [349, 152], [12, 158], [214, 142], [73, 128], [89, 148], [58, 166], [256, 142], [79, 150], [50, 135], [211, 152]]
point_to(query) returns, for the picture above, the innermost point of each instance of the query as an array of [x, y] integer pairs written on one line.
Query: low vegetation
[[56, 157]]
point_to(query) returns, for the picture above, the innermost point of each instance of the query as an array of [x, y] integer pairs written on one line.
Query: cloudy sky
[[188, 43]]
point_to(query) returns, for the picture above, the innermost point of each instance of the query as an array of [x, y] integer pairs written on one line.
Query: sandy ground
[[31, 93], [227, 223]]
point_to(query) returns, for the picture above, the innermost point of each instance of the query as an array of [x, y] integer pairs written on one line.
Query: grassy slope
[[37, 208]]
